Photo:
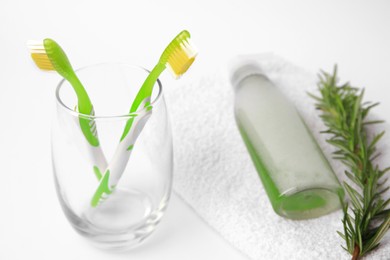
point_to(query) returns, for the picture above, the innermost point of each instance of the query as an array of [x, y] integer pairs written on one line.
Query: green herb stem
[[366, 219]]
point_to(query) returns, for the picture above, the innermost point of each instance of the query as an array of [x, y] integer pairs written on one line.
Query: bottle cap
[[242, 67]]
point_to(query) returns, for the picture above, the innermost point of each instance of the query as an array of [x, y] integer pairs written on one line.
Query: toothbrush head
[[48, 55], [179, 54]]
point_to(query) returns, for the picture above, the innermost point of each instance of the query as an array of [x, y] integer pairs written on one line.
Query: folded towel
[[215, 175]]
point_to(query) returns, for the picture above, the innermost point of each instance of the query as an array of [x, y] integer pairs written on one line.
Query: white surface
[[312, 34]]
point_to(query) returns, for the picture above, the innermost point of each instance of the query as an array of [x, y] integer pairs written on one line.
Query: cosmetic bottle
[[297, 177]]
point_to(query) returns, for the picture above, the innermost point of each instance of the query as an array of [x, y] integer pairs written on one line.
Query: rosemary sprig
[[366, 219]]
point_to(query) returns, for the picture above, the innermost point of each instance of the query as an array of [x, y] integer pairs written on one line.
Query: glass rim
[[133, 114]]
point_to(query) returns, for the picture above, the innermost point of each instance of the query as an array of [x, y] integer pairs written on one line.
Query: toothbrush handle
[[90, 136], [132, 129], [120, 159], [123, 152], [85, 107], [94, 154], [88, 125], [98, 160], [144, 94]]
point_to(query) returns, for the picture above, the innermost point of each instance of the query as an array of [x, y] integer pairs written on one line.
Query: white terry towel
[[215, 175]]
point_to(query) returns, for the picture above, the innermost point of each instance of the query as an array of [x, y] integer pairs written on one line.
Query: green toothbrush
[[178, 57], [49, 56]]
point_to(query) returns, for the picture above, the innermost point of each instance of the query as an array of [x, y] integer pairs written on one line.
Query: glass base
[[119, 223]]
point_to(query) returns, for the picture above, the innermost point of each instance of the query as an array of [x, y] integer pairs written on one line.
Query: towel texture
[[215, 175]]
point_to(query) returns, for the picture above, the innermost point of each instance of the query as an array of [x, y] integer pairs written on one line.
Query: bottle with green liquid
[[295, 174]]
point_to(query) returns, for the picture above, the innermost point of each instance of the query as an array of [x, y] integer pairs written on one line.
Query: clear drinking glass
[[132, 211]]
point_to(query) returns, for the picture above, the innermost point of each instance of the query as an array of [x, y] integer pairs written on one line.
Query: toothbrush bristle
[[39, 55], [180, 54]]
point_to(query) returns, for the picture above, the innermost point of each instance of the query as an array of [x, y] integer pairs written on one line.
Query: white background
[[311, 34]]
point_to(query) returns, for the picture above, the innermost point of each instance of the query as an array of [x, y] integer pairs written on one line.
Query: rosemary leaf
[[366, 220]]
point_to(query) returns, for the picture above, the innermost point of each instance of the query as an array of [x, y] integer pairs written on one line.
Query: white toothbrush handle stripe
[[122, 153], [97, 157]]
